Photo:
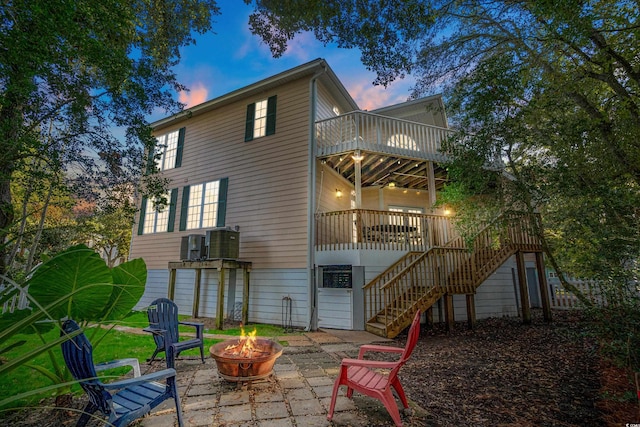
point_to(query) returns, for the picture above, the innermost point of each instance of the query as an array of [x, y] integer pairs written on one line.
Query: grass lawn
[[108, 345], [138, 319]]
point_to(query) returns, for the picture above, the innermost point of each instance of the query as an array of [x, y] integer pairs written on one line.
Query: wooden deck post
[[196, 293], [220, 309], [429, 316], [171, 293], [524, 291], [471, 311], [544, 288], [448, 311], [245, 297]]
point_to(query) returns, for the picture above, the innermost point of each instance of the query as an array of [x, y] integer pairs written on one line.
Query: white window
[[403, 141], [156, 215], [167, 150], [260, 119], [202, 211]]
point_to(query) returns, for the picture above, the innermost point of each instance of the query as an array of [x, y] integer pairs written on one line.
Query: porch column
[[524, 291], [357, 165], [431, 179], [544, 289]]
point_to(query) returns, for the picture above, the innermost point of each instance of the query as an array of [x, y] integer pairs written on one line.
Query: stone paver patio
[[297, 394]]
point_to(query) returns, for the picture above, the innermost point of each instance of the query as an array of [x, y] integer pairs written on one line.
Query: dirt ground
[[502, 373]]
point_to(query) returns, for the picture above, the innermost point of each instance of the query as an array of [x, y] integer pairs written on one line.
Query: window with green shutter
[[204, 205], [168, 152], [158, 215], [261, 118]]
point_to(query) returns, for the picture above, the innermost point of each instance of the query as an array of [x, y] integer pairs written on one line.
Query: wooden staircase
[[419, 279]]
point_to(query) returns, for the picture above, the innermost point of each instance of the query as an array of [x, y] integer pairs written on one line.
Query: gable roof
[[317, 66]]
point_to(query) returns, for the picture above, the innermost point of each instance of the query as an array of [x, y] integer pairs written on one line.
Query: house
[[332, 207]]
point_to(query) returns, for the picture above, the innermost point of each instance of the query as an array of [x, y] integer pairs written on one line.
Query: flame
[[246, 344]]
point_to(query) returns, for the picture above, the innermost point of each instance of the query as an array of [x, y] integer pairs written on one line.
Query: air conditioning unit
[[223, 243], [193, 247]]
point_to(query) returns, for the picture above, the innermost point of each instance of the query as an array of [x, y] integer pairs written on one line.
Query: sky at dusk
[[233, 58]]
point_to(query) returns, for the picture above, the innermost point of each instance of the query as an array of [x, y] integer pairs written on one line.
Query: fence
[[597, 293]]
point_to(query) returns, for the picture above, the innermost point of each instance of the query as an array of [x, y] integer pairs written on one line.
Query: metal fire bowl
[[238, 368]]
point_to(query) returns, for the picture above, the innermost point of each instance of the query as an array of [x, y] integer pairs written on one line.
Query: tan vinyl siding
[[327, 181], [325, 104], [267, 193]]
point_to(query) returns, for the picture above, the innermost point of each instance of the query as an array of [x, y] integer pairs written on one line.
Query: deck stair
[[419, 279]]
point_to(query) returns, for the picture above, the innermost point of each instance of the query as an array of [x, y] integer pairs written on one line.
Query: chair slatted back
[[78, 355], [412, 340], [163, 314]]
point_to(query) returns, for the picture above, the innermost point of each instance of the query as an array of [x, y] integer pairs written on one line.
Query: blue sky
[[232, 58]]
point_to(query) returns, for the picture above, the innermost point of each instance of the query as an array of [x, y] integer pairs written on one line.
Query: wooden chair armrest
[[155, 331], [375, 364], [378, 348], [134, 363], [154, 376]]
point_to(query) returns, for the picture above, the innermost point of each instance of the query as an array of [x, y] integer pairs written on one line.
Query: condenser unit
[[193, 247], [223, 243]]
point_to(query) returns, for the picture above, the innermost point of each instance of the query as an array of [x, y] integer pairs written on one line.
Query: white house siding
[[496, 297], [268, 287]]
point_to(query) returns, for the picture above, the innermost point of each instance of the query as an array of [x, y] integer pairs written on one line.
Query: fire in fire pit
[[247, 358]]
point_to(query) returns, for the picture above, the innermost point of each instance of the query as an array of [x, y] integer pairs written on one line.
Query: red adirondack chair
[[364, 377]]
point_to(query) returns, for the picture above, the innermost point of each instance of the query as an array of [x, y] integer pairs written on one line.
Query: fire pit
[[245, 359]]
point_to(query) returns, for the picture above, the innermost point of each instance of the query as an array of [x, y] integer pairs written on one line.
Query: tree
[[72, 71], [550, 88]]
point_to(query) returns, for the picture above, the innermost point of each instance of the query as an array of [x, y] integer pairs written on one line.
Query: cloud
[[303, 47], [196, 95], [369, 97]]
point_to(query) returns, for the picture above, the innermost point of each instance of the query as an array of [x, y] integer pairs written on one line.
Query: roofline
[[309, 68], [430, 98]]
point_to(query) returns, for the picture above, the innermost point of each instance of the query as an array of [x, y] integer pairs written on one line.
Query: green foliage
[[74, 284], [617, 328], [71, 73]]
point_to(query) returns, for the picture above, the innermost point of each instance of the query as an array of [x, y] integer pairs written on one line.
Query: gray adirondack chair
[[122, 401], [163, 324]]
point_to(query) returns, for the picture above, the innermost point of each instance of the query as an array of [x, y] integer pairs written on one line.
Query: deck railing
[[360, 130], [381, 230]]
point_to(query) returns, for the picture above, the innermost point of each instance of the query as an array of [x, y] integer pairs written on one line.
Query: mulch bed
[[504, 373]]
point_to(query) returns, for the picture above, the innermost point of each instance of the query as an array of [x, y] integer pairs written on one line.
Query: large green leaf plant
[[76, 284]]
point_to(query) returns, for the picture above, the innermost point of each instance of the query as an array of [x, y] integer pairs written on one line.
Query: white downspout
[[312, 313]]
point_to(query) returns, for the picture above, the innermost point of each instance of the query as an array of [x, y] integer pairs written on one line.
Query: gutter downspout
[[312, 313]]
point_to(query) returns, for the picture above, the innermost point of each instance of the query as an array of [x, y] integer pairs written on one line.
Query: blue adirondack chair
[[121, 401], [163, 324]]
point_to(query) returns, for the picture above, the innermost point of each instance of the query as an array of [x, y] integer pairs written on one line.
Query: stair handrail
[[467, 279]]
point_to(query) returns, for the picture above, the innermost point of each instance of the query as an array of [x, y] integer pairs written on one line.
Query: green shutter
[[222, 202], [172, 209], [248, 130], [184, 208], [271, 115], [180, 147], [143, 209]]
